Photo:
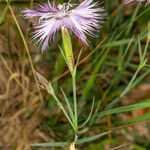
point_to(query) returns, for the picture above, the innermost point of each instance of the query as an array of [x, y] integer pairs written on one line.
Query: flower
[[81, 19], [128, 1]]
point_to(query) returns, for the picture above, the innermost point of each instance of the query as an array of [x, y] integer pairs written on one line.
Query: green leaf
[[79, 141], [90, 114], [144, 104], [68, 105], [50, 144], [91, 138], [62, 52]]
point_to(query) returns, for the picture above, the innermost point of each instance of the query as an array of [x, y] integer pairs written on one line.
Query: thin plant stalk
[[75, 99], [69, 59]]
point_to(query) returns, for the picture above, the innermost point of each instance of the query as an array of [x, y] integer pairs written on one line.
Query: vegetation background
[[114, 69]]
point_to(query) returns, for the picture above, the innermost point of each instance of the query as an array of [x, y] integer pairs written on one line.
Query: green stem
[[75, 99], [65, 113], [69, 58]]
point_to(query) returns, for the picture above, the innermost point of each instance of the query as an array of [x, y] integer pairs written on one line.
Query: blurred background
[[106, 71]]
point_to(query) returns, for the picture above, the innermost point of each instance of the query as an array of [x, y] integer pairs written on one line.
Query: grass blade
[[90, 114], [92, 138], [145, 104], [51, 144]]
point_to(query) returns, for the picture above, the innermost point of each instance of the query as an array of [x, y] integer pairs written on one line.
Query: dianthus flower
[[81, 19]]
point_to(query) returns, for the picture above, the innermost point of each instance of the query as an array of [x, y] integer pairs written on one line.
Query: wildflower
[[128, 1], [81, 19]]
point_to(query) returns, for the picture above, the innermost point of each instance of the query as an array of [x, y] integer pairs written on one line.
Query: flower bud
[[67, 46], [45, 83]]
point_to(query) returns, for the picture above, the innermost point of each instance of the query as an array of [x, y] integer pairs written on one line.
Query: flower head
[[81, 19], [128, 1]]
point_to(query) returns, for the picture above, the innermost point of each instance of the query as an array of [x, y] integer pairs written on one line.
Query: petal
[[87, 17], [77, 29], [41, 10], [46, 32]]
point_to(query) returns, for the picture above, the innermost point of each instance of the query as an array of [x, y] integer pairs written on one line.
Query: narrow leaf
[[51, 144], [68, 105], [145, 104], [86, 121], [91, 138]]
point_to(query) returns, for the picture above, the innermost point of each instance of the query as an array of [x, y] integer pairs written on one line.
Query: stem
[[62, 108], [69, 58], [75, 99]]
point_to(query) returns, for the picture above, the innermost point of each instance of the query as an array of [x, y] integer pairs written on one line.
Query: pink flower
[[81, 19]]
